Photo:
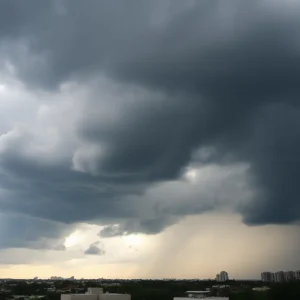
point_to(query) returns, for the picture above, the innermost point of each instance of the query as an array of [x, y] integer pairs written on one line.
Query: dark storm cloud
[[94, 249], [274, 150], [21, 231], [147, 226], [51, 31], [155, 149], [223, 75]]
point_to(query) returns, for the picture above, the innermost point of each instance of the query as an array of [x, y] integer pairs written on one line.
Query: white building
[[111, 284], [261, 289], [95, 294], [199, 295], [267, 277], [289, 275], [279, 276], [222, 277]]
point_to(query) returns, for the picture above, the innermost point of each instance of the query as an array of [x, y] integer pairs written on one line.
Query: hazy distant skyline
[[149, 138]]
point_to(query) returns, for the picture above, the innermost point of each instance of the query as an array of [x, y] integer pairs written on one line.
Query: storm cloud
[[94, 249], [19, 231], [123, 97]]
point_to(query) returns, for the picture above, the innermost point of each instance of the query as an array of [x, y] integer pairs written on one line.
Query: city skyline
[[280, 276], [149, 139]]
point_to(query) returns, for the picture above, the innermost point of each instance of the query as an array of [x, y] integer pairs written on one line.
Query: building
[[95, 294], [111, 284], [297, 275], [224, 276], [199, 295], [223, 286], [267, 277], [279, 276], [289, 275], [27, 297], [261, 289]]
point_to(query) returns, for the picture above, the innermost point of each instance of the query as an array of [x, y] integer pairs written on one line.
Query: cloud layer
[[107, 106]]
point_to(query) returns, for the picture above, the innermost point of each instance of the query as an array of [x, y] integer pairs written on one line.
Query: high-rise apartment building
[[272, 277], [224, 276], [267, 277], [289, 275], [280, 276]]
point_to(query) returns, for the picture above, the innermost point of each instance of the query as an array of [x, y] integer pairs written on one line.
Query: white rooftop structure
[[261, 289], [95, 294], [199, 295]]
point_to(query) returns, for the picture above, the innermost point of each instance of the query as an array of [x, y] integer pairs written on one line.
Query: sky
[[149, 139]]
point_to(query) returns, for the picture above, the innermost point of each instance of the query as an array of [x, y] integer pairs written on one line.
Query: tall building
[[267, 277], [272, 277], [218, 277], [289, 275], [279, 276], [224, 276], [297, 274]]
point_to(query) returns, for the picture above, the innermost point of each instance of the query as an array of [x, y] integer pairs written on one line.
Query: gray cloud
[[147, 226], [215, 75], [21, 231], [94, 249], [112, 231]]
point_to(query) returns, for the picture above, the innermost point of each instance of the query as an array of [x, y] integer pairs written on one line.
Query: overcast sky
[[149, 138]]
